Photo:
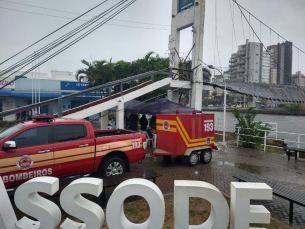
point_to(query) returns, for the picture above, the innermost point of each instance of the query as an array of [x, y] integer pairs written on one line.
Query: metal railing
[[169, 72], [266, 137], [218, 123]]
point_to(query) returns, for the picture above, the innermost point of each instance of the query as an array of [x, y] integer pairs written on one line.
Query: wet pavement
[[231, 161]]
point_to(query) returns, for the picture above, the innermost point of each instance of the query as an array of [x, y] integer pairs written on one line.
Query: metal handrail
[[268, 138], [167, 71]]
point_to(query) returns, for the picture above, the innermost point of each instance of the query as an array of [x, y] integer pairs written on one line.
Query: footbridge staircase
[[111, 100]]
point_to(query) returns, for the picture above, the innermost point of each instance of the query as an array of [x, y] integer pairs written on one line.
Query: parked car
[[63, 147]]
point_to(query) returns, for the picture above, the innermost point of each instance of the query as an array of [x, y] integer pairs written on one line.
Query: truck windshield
[[10, 130]]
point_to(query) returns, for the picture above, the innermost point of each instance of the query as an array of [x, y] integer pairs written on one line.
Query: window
[[72, 132], [7, 132], [34, 137]]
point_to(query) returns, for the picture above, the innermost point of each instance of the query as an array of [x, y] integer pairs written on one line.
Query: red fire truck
[[188, 135], [65, 147]]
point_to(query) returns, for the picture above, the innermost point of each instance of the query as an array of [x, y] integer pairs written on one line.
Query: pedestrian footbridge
[[111, 100]]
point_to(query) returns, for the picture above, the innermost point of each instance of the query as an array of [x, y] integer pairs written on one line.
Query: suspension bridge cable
[[25, 61], [63, 11], [249, 29], [266, 48], [216, 21], [32, 56], [75, 40], [242, 24], [129, 26], [260, 30], [216, 45], [232, 16], [240, 6], [53, 32]]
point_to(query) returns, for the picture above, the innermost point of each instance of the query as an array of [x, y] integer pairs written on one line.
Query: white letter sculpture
[[7, 215], [219, 217], [242, 213], [74, 204], [115, 215], [28, 201]]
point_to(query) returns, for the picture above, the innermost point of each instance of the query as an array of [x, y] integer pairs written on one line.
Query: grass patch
[[199, 212]]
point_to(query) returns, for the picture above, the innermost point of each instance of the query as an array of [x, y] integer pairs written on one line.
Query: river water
[[291, 124]]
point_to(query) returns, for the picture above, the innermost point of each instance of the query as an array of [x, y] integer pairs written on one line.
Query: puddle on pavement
[[232, 164], [248, 168]]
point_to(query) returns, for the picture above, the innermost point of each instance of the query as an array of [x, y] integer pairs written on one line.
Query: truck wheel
[[113, 166], [206, 156], [193, 159]]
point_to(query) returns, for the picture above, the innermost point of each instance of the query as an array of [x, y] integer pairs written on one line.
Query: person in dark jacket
[[143, 122], [133, 120], [126, 121], [152, 122]]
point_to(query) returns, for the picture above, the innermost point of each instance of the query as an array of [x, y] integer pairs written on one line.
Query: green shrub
[[293, 108], [253, 130], [6, 124]]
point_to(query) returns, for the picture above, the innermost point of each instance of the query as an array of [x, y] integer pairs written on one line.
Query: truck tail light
[[215, 147]]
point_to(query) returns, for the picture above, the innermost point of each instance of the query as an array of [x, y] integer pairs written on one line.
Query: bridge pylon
[[185, 14]]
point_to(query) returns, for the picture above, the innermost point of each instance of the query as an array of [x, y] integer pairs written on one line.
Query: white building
[[265, 68], [298, 79], [36, 87], [60, 75], [250, 64], [253, 62]]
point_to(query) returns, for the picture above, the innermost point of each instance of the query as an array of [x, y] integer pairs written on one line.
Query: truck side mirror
[[9, 145]]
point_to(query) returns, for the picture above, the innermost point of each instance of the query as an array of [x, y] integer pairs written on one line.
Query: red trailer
[[188, 135]]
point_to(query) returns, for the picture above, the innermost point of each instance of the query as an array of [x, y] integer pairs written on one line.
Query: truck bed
[[108, 133]]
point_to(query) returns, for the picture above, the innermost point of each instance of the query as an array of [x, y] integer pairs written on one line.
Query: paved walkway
[[231, 161]]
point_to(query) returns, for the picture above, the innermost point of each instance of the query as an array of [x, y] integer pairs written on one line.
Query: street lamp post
[[225, 104]]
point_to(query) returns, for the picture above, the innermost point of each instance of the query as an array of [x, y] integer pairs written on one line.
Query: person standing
[[133, 119], [126, 121], [143, 122], [152, 122]]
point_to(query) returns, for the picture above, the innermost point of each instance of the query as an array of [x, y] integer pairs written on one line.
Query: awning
[[161, 106], [5, 93], [23, 94], [128, 105], [88, 95]]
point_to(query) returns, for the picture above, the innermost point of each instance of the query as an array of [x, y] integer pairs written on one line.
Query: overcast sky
[[148, 30]]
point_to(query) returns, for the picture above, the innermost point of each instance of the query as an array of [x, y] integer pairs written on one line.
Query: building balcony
[[233, 65], [242, 70], [233, 69], [241, 53], [241, 62]]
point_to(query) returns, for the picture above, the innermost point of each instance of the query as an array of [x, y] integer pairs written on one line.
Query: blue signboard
[[76, 86], [73, 86], [185, 4]]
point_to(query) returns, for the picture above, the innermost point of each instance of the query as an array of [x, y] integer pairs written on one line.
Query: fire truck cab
[[188, 135]]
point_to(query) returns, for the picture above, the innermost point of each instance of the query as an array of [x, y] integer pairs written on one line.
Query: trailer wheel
[[206, 156], [193, 159], [113, 166]]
